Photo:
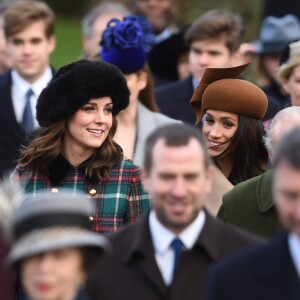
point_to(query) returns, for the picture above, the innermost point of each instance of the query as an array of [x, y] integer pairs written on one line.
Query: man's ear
[[52, 43], [284, 84], [142, 80]]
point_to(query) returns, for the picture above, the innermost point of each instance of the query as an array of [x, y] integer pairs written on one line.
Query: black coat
[[12, 135], [131, 272], [173, 100], [266, 272]]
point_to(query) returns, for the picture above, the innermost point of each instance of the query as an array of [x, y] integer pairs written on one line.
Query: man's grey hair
[[106, 7], [284, 121]]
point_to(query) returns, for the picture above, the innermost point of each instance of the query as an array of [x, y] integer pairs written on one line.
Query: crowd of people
[[149, 168]]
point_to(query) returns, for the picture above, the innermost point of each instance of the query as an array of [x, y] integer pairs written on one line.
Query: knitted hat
[[291, 60], [52, 221], [125, 43], [220, 90], [75, 85]]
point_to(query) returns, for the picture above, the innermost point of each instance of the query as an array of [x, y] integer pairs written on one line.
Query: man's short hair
[[106, 7], [215, 24], [288, 149], [21, 14], [174, 135]]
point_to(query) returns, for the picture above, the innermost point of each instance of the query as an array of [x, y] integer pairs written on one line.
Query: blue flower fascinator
[[125, 43]]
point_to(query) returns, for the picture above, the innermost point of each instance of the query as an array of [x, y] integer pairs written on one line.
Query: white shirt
[[294, 247], [165, 34], [19, 89], [162, 238]]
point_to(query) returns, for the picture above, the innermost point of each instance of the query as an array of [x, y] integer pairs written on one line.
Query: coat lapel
[[142, 253], [281, 275]]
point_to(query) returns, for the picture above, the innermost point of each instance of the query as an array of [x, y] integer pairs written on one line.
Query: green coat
[[250, 205]]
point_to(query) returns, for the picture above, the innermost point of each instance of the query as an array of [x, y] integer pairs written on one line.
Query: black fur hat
[[75, 85]]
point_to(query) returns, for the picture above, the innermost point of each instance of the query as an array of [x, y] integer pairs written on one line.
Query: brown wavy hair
[[48, 145], [146, 95]]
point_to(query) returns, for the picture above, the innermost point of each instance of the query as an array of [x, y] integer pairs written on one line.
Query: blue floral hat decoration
[[125, 43]]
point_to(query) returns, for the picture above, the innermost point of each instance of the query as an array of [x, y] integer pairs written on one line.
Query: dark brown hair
[[216, 24], [48, 144], [146, 96], [21, 14]]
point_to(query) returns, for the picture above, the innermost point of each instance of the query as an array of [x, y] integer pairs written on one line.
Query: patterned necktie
[[27, 119], [176, 245]]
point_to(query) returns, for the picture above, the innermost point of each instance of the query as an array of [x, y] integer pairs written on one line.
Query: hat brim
[[44, 240], [268, 49], [211, 75]]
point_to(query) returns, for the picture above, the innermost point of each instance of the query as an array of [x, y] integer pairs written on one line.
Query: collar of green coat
[[59, 168], [264, 194]]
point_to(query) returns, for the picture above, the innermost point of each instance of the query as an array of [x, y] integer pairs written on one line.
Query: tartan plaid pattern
[[118, 201]]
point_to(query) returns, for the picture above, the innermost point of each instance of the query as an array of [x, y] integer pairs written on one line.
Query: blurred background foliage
[[70, 13]]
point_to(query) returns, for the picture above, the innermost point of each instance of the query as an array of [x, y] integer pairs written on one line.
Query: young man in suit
[[213, 39], [271, 271], [29, 29], [168, 253]]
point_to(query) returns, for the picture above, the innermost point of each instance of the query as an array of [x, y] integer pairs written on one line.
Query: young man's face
[[30, 50], [209, 53]]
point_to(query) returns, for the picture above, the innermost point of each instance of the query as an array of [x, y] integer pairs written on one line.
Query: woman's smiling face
[[219, 127], [88, 128]]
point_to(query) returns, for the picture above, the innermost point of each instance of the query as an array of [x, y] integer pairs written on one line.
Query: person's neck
[[32, 79], [225, 165], [75, 157]]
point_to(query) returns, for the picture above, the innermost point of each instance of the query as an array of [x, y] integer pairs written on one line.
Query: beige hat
[[287, 67], [220, 90]]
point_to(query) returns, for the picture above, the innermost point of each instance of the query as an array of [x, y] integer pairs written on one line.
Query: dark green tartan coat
[[117, 201]]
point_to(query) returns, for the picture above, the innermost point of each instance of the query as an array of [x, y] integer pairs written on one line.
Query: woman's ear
[[142, 80], [284, 83]]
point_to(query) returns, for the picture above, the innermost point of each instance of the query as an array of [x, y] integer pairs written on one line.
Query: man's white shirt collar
[[294, 247], [162, 237], [20, 87]]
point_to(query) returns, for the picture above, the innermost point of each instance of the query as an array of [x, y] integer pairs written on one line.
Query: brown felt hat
[[220, 90]]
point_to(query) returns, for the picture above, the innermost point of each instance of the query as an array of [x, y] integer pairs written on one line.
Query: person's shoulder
[[232, 277], [127, 169], [246, 192], [176, 85], [243, 189], [234, 237], [161, 119], [264, 252], [129, 233], [5, 78], [157, 118]]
